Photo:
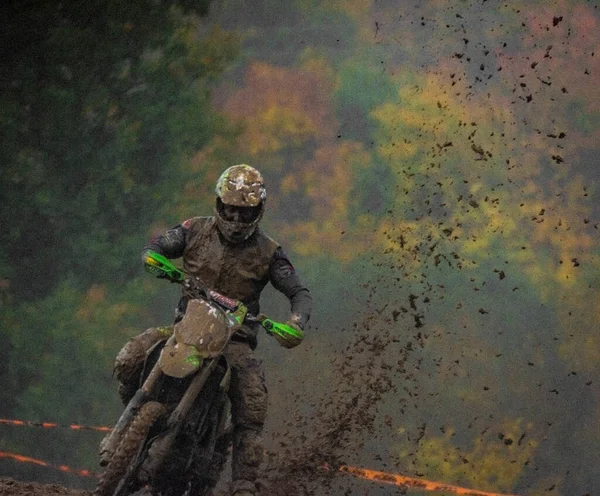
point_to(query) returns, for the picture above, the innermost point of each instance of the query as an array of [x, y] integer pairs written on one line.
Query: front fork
[[162, 447], [141, 396]]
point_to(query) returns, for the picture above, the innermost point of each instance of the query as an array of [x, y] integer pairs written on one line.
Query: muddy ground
[[337, 425], [11, 487]]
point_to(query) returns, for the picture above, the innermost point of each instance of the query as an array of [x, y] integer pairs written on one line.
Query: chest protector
[[237, 270]]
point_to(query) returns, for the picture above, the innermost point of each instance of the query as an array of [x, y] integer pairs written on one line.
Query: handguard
[[284, 331], [161, 267]]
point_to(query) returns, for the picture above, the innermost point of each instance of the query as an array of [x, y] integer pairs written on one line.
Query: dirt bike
[[172, 429]]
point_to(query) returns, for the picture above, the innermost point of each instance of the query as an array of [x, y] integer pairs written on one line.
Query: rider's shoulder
[[194, 223], [265, 240]]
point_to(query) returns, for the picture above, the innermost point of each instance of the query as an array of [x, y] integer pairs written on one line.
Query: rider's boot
[[102, 452], [247, 455], [243, 488]]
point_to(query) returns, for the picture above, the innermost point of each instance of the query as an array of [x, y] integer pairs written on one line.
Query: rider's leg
[[248, 395], [130, 360], [218, 462]]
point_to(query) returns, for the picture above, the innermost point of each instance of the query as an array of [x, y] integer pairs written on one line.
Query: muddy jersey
[[237, 270]]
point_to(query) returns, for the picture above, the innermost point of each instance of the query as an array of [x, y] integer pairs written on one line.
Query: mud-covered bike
[[166, 439]]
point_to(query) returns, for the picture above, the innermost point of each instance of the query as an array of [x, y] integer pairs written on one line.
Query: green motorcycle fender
[[179, 360]]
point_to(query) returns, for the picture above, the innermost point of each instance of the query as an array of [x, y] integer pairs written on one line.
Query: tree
[[103, 107]]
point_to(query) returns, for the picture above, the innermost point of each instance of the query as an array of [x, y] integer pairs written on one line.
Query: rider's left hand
[[290, 341]]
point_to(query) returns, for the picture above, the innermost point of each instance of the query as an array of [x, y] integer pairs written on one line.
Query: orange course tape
[[372, 475], [410, 482], [52, 425], [362, 473], [62, 468]]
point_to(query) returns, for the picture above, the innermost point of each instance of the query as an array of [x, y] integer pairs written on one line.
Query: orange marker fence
[[361, 473], [61, 468], [52, 425], [412, 483]]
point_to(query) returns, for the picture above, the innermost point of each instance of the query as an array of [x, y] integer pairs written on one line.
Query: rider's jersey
[[237, 270]]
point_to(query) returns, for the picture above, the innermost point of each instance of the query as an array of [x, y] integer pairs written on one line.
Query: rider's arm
[[284, 279], [171, 243]]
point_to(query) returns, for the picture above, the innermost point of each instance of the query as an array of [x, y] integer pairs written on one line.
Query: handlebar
[[161, 267]]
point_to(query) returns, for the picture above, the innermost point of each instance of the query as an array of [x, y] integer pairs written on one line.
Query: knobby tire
[[128, 447]]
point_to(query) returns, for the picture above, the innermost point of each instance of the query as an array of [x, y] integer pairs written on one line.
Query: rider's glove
[[151, 267], [291, 341]]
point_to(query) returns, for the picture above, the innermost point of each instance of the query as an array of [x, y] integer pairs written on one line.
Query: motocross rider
[[230, 254]]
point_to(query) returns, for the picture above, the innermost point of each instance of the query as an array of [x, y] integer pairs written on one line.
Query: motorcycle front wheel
[[128, 448]]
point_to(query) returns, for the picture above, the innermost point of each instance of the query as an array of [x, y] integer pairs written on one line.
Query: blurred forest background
[[432, 169]]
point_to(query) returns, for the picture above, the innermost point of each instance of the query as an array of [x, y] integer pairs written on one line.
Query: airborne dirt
[[302, 459]]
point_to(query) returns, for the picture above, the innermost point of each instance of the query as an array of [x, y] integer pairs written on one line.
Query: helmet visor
[[242, 215]]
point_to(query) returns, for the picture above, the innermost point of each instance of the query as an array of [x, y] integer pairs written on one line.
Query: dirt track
[[337, 425], [11, 487]]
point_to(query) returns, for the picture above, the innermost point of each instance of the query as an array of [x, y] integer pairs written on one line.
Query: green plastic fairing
[[283, 330], [161, 266]]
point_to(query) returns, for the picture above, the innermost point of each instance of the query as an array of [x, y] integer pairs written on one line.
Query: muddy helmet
[[240, 202]]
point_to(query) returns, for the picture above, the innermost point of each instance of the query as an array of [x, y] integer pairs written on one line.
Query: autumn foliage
[[432, 171]]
